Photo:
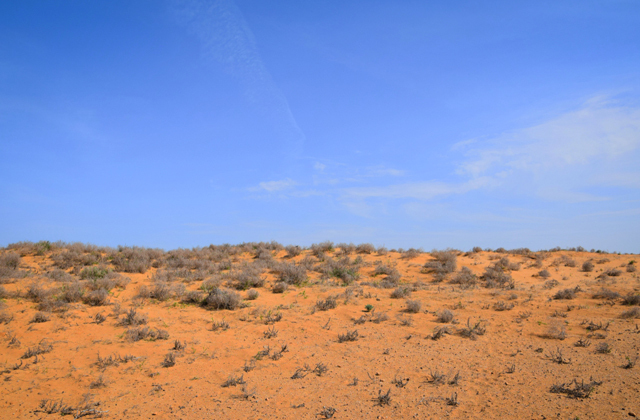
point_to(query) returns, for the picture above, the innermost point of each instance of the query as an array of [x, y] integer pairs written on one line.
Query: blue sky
[[405, 124]]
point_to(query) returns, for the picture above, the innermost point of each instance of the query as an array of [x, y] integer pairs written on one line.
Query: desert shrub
[[346, 249], [401, 292], [502, 306], [72, 292], [321, 248], [544, 274], [246, 279], [145, 333], [382, 250], [631, 268], [465, 278], [445, 316], [365, 249], [133, 318], [411, 253], [93, 273], [291, 273], [556, 331], [99, 297], [413, 306], [612, 272], [326, 304], [631, 313], [564, 260], [506, 265], [348, 336], [383, 269], [603, 348], [60, 276], [550, 284], [391, 281], [565, 294], [252, 294], [587, 266], [495, 277], [39, 317], [210, 284], [606, 294], [75, 256], [578, 390], [193, 297], [343, 269], [279, 287], [37, 293], [10, 260], [3, 294], [472, 331], [445, 263], [293, 251], [476, 249], [631, 299], [134, 259], [218, 299]]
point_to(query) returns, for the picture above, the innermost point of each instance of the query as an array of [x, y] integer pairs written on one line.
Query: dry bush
[[631, 268], [631, 299], [550, 284], [382, 269], [279, 287], [579, 389], [343, 269], [346, 249], [472, 331], [132, 318], [169, 360], [633, 313], [10, 260], [384, 398], [222, 299], [145, 333], [565, 294], [391, 281], [60, 276], [556, 331], [43, 347], [382, 250], [326, 304], [464, 278], [611, 272], [192, 297], [401, 292], [321, 248], [544, 274], [495, 277], [587, 266], [290, 273], [293, 251], [252, 294], [348, 336], [445, 263], [159, 291], [134, 259], [98, 297], [557, 357], [413, 306], [365, 249], [604, 348], [379, 317], [39, 317], [606, 294], [411, 253], [445, 316], [502, 306], [327, 412]]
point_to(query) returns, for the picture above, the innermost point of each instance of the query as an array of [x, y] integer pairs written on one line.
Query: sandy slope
[[384, 353]]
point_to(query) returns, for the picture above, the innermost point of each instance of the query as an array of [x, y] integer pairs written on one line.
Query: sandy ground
[[507, 372]]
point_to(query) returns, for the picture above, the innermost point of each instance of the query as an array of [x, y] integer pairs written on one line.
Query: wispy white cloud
[[599, 131], [227, 39], [273, 186], [418, 190]]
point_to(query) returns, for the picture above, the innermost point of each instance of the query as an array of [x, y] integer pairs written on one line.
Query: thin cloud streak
[[227, 39]]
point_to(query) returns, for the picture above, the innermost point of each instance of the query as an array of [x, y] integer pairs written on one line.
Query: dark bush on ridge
[[445, 263]]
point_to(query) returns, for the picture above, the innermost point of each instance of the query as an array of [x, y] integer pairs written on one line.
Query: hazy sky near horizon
[[434, 124]]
